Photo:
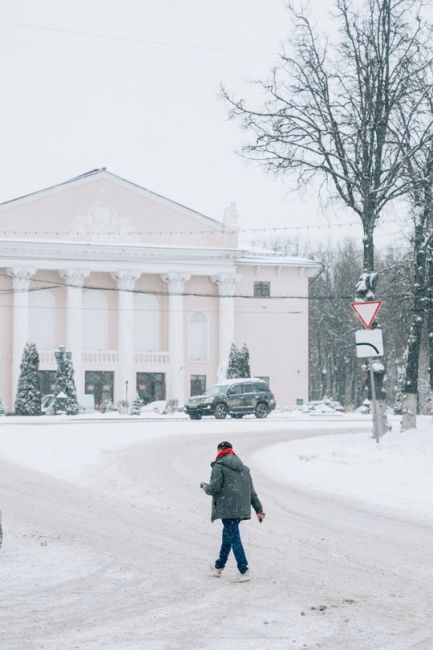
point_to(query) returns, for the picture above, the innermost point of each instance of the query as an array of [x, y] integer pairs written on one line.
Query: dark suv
[[235, 397]]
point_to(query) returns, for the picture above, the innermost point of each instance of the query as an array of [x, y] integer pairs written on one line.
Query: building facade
[[147, 294]]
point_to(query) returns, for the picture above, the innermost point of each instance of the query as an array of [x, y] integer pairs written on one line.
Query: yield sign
[[366, 311]]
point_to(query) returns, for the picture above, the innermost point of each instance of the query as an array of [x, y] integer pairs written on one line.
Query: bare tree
[[419, 169], [333, 111], [334, 371]]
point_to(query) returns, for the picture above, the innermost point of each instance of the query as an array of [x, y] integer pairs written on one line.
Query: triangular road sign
[[366, 311]]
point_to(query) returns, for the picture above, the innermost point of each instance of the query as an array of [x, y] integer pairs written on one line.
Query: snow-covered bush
[[108, 406], [28, 398]]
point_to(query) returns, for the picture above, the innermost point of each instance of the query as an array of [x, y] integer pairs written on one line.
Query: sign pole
[[369, 343], [373, 399]]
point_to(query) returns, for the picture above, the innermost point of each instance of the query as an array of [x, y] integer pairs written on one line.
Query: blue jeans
[[232, 540]]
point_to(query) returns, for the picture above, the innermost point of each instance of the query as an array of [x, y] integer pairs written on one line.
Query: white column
[[74, 279], [176, 335], [226, 283], [20, 318], [125, 334]]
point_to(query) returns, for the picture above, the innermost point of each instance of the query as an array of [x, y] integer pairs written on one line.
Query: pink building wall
[[276, 330]]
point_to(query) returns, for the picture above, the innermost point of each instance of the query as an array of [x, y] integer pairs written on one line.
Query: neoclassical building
[[147, 294]]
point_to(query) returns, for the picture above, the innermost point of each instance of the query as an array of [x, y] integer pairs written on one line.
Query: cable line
[[128, 39], [170, 5], [51, 284]]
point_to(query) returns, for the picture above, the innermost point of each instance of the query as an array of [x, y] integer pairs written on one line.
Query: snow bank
[[69, 448], [394, 474]]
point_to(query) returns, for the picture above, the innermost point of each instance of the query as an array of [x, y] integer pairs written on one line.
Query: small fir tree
[[234, 362], [66, 392], [28, 398], [136, 406], [239, 362], [245, 370]]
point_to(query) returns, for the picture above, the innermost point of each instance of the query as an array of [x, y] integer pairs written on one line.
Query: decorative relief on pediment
[[101, 223]]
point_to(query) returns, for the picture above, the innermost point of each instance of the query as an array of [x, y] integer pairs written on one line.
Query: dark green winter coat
[[232, 490]]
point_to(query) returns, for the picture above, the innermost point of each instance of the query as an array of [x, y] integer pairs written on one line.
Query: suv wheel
[[220, 411], [261, 410]]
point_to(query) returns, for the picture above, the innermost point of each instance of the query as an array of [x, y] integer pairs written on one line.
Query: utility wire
[[128, 39], [170, 5], [51, 284], [229, 231]]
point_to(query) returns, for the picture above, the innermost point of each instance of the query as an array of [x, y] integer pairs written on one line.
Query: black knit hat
[[224, 445]]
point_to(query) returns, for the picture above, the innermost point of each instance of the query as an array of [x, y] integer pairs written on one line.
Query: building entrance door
[[47, 382], [150, 386], [100, 384]]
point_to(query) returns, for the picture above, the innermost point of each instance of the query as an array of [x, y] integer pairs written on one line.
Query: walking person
[[233, 494]]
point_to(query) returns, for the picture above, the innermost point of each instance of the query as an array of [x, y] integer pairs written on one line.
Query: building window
[[100, 384], [150, 386], [262, 289], [198, 384], [198, 337]]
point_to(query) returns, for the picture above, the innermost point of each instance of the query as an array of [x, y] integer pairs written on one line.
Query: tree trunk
[[410, 407], [414, 341], [429, 308], [368, 245]]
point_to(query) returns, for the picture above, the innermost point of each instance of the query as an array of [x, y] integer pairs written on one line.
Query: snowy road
[[118, 559]]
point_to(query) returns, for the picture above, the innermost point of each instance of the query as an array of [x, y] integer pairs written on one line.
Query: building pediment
[[102, 207]]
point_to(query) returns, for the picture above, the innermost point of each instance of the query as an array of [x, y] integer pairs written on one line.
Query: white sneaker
[[242, 577], [216, 573]]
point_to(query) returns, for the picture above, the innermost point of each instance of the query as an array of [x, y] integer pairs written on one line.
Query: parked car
[[47, 404], [234, 397]]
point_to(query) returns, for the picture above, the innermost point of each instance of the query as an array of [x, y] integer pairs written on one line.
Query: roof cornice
[[27, 249]]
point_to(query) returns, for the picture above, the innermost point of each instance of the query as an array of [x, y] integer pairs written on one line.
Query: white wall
[[146, 323], [42, 319], [95, 320]]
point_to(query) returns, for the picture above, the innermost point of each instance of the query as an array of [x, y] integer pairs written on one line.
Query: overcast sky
[[132, 85]]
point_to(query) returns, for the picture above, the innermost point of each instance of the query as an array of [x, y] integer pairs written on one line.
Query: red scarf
[[224, 452]]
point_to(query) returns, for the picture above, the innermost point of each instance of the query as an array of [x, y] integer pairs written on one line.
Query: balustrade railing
[[145, 358], [103, 357]]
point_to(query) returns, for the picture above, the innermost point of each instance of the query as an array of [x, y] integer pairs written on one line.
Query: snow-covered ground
[[393, 475], [108, 536]]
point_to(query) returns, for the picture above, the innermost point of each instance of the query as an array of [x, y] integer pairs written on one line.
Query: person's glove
[[203, 486], [260, 516]]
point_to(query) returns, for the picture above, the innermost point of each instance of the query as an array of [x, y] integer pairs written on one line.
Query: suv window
[[235, 390], [263, 388], [248, 388]]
